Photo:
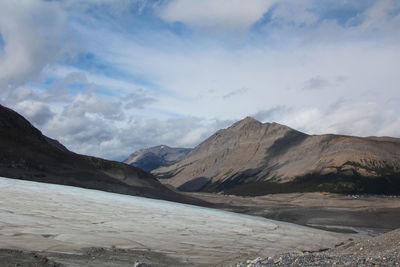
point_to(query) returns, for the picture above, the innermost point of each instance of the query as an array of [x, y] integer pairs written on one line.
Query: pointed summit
[[249, 119], [246, 121], [254, 158]]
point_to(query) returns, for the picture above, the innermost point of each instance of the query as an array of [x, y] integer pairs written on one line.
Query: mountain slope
[[252, 158], [152, 158], [25, 153]]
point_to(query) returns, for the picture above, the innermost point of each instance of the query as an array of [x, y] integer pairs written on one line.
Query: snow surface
[[39, 216]]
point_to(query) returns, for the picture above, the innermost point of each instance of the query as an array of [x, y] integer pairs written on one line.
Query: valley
[[362, 215], [199, 133], [59, 208]]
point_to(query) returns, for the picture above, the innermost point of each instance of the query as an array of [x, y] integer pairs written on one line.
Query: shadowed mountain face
[[25, 153], [252, 158], [152, 158]]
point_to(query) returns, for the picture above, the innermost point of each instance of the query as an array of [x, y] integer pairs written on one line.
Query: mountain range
[[155, 157], [25, 153], [254, 158], [248, 158]]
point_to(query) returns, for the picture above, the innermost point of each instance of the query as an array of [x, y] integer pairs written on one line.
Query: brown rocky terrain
[[254, 158], [92, 257], [383, 250], [25, 153], [154, 157]]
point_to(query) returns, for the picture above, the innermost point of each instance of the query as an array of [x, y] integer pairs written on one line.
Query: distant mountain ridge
[[26, 154], [254, 158], [154, 157]]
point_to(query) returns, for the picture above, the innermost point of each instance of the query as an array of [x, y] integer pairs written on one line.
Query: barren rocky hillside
[[254, 158], [25, 153]]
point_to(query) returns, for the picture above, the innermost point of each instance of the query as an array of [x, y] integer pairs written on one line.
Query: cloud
[[383, 16], [138, 100], [235, 93], [216, 14], [32, 34], [272, 114], [179, 132], [91, 104], [316, 83], [342, 117], [36, 112], [188, 80], [101, 137], [360, 119], [294, 12], [321, 83], [140, 81], [57, 91], [61, 90], [82, 134]]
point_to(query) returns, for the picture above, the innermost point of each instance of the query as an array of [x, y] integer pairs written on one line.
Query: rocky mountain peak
[[249, 124], [253, 158], [154, 157], [246, 122]]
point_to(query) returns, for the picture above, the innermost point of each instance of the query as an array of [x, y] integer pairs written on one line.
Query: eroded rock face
[[25, 153], [154, 157], [254, 158]]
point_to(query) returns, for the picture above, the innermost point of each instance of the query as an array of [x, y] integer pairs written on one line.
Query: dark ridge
[[28, 155], [150, 161], [154, 157], [331, 183], [195, 184]]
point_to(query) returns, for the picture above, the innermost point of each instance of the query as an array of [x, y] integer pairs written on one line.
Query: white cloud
[[36, 112], [216, 14], [92, 104], [32, 33], [198, 77], [158, 87], [102, 137], [82, 134], [298, 12], [379, 18], [138, 100], [360, 119]]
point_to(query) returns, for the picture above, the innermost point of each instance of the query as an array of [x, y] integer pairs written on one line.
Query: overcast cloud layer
[[109, 77]]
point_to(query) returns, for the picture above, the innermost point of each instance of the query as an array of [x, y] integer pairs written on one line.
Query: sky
[[109, 77]]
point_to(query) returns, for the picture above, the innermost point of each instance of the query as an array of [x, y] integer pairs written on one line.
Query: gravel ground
[[383, 250], [93, 257]]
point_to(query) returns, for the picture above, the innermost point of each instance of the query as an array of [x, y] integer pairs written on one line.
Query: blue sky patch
[[345, 13], [2, 43]]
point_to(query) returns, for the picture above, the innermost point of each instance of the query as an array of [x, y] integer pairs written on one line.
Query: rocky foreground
[[379, 251], [383, 250]]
